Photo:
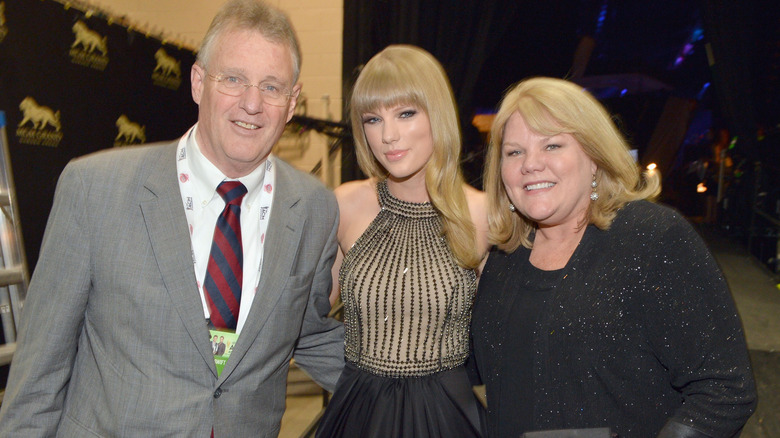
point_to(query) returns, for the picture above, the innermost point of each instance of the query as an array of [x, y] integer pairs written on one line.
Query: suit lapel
[[167, 227], [282, 241]]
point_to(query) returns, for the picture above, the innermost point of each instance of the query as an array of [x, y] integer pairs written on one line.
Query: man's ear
[[296, 91], [197, 79]]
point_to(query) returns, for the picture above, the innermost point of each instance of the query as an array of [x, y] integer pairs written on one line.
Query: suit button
[[218, 393]]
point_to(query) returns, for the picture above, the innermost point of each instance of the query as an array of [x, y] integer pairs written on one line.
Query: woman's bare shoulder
[[477, 202], [358, 206], [356, 193], [475, 196]]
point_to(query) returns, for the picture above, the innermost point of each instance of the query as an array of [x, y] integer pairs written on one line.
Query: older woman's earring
[[593, 184], [511, 207]]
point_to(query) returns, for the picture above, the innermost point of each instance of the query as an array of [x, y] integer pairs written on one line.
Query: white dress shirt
[[198, 180]]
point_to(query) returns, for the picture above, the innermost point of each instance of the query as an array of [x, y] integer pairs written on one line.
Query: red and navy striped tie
[[224, 272]]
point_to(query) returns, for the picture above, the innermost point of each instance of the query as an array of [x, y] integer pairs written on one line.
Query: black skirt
[[366, 405]]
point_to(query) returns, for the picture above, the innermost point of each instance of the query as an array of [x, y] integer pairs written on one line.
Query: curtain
[[461, 35]]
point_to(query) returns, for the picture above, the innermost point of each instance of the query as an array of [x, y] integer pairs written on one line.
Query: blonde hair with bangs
[[408, 75], [550, 107]]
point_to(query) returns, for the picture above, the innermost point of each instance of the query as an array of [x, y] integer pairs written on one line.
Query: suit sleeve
[[696, 333], [320, 348], [53, 317]]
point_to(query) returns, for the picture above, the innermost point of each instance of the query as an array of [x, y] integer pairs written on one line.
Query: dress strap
[[382, 193]]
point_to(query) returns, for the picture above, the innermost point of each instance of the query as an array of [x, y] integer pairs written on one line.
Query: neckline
[[404, 208], [564, 271]]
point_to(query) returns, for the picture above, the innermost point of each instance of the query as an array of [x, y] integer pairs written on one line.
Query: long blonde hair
[[408, 75], [550, 107]]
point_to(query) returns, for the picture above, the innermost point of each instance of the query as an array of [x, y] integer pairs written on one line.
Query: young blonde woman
[[412, 237]]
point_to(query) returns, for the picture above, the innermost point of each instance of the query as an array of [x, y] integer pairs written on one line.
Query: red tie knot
[[231, 191]]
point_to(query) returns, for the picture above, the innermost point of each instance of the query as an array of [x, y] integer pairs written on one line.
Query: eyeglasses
[[273, 93]]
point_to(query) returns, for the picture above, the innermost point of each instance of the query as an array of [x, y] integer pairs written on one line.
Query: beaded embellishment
[[407, 303]]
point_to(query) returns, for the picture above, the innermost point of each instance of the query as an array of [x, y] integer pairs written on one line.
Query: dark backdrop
[[87, 77], [486, 46], [461, 35]]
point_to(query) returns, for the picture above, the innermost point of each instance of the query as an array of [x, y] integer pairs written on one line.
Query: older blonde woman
[[599, 308], [412, 237]]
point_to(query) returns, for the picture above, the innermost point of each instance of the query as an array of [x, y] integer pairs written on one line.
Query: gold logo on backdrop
[[40, 125], [3, 27], [167, 73], [129, 132], [89, 49]]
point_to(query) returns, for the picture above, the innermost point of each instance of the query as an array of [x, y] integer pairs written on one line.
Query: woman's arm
[[695, 331]]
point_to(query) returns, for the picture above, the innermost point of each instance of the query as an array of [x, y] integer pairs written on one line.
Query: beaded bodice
[[407, 303]]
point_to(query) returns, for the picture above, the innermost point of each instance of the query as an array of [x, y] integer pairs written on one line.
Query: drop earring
[[511, 207], [593, 184]]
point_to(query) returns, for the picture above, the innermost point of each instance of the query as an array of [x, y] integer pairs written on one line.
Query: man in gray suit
[[114, 338]]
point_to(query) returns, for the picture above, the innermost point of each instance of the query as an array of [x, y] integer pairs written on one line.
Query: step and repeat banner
[[74, 81]]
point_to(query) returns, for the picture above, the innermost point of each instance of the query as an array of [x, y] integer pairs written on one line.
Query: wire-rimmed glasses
[[273, 93]]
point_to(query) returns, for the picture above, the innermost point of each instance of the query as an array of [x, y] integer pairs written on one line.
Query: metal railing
[[339, 136]]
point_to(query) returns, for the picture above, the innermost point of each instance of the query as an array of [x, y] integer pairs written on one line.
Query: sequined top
[[637, 329], [407, 303]]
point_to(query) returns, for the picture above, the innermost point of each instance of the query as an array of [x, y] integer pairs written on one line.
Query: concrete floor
[[757, 294]]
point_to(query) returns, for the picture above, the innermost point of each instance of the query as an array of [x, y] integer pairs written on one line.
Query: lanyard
[[259, 215]]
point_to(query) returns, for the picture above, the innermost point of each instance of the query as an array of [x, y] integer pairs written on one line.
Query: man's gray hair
[[271, 22]]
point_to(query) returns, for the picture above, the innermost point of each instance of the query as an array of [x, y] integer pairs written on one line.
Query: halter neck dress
[[407, 311]]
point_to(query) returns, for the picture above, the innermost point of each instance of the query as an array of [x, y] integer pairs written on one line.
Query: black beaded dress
[[407, 310]]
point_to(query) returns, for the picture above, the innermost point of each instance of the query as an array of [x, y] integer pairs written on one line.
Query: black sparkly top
[[407, 303], [637, 329]]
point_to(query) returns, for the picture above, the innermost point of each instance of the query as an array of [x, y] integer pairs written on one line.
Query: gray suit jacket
[[113, 341]]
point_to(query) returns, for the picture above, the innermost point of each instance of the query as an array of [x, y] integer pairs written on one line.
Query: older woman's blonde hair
[[408, 75], [554, 106]]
